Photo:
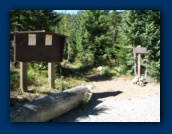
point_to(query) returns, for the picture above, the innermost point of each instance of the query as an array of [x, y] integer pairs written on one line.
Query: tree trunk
[[68, 56], [51, 106], [68, 53]]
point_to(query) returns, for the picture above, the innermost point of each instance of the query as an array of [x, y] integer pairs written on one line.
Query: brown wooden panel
[[40, 51]]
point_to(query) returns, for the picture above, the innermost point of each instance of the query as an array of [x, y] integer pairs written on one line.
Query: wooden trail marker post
[[23, 76], [41, 46], [139, 67], [139, 50], [51, 72]]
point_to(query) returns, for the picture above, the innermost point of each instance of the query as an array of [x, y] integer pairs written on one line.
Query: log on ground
[[51, 106]]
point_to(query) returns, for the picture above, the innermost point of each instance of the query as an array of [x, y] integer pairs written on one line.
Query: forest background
[[95, 38]]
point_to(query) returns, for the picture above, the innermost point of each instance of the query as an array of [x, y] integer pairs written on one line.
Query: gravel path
[[117, 100]]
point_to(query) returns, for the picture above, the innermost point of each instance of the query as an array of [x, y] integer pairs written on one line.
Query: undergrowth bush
[[109, 71], [14, 79]]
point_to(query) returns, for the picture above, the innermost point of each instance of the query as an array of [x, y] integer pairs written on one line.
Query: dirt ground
[[113, 100], [117, 100], [124, 85]]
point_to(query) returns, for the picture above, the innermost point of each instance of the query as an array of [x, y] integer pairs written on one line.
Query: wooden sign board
[[139, 50], [39, 46]]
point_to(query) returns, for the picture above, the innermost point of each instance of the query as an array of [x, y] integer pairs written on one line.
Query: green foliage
[[67, 83], [37, 78], [79, 36], [33, 20], [98, 40], [14, 79], [36, 74], [66, 27], [108, 71], [94, 37], [139, 27]]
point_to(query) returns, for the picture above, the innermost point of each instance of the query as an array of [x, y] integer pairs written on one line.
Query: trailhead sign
[[41, 46], [139, 50], [38, 46]]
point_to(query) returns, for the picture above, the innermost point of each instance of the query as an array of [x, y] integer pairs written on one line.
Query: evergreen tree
[[24, 20], [116, 24], [98, 36], [66, 29], [130, 31], [81, 54], [140, 27], [151, 39]]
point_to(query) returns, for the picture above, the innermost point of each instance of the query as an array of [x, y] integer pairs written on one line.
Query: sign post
[[139, 67], [51, 72], [139, 50], [23, 76]]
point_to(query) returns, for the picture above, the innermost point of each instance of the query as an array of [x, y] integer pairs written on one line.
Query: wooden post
[[135, 64], [51, 72], [139, 50], [23, 76], [139, 67]]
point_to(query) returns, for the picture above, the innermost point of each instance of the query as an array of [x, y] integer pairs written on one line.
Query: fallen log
[[51, 106]]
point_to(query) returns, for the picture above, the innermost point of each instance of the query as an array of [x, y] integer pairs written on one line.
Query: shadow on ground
[[84, 110], [99, 78]]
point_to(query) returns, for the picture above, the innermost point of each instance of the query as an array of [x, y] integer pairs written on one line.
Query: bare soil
[[124, 85], [117, 100], [113, 100]]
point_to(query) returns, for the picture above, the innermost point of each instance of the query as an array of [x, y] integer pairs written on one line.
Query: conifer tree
[[24, 20], [140, 27], [66, 29], [98, 36]]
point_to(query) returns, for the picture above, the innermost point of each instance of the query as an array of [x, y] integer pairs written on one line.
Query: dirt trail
[[117, 100]]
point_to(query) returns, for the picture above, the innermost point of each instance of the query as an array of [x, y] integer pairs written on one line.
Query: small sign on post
[[139, 50]]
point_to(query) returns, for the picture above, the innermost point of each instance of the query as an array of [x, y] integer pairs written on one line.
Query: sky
[[67, 11], [72, 11]]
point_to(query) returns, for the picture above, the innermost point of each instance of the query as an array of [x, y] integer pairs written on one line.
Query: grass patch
[[66, 83], [108, 71], [14, 79], [38, 79]]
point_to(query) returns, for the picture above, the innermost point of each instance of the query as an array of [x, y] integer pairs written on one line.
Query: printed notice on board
[[48, 40], [32, 39]]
